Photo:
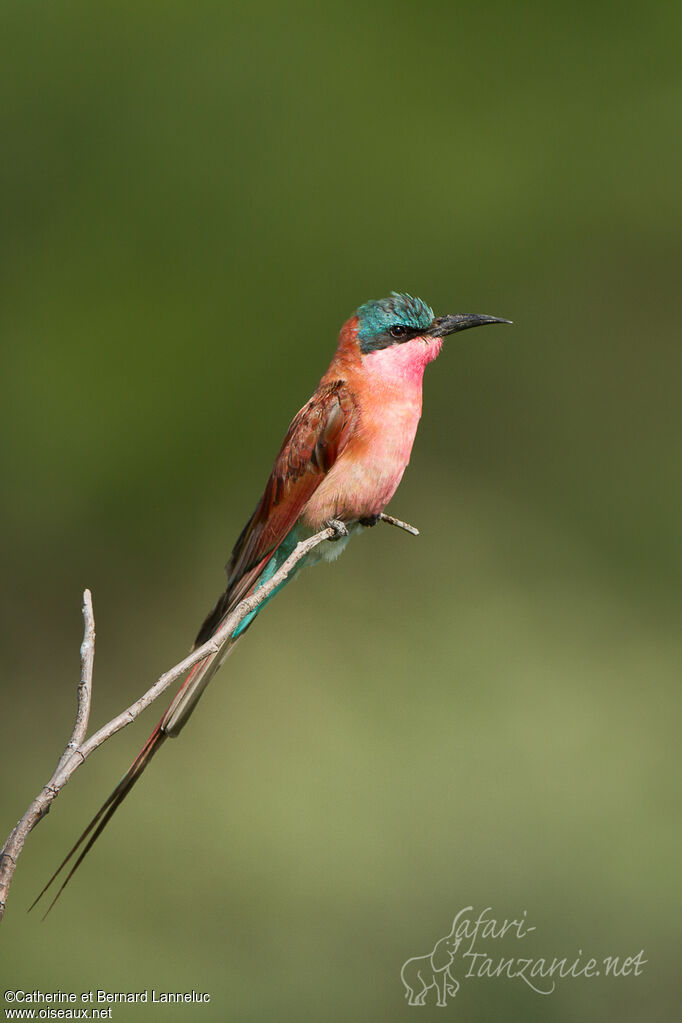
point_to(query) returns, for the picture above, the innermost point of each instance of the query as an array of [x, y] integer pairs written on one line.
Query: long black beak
[[443, 325]]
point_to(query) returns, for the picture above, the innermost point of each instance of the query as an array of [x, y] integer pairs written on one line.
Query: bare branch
[[399, 523], [41, 804], [85, 685], [77, 750]]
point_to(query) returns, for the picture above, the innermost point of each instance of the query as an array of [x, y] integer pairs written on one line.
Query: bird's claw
[[339, 527]]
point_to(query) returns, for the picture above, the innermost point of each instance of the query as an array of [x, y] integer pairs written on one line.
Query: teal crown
[[376, 320]]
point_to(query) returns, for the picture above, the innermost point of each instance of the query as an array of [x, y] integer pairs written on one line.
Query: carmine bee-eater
[[341, 462]]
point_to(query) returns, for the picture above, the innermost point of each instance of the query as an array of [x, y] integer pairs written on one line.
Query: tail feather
[[187, 697], [170, 725], [104, 814]]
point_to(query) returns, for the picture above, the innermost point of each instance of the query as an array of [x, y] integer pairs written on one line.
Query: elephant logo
[[420, 973]]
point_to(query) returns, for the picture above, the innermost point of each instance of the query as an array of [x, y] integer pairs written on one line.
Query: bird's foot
[[369, 520], [339, 527]]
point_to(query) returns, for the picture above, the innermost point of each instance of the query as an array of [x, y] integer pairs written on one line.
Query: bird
[[340, 463]]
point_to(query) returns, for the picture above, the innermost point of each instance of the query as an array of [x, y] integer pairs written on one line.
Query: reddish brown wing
[[315, 439]]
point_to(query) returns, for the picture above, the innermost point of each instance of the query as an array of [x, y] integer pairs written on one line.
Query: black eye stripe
[[406, 333], [388, 338]]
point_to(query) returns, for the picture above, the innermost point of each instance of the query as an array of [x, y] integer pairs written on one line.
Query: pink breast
[[388, 391]]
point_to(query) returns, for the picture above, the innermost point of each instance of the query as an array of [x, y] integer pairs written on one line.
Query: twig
[[399, 523], [85, 685], [41, 804], [77, 750]]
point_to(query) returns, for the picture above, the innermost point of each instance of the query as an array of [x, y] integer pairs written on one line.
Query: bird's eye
[[398, 330]]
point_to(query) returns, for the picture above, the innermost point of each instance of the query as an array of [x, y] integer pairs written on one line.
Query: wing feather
[[315, 439]]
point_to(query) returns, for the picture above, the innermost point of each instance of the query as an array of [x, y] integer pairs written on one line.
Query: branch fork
[[78, 749]]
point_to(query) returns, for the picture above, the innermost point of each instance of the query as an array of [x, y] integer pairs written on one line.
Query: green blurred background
[[195, 196]]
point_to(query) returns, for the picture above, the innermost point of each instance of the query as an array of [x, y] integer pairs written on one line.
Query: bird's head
[[400, 319]]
